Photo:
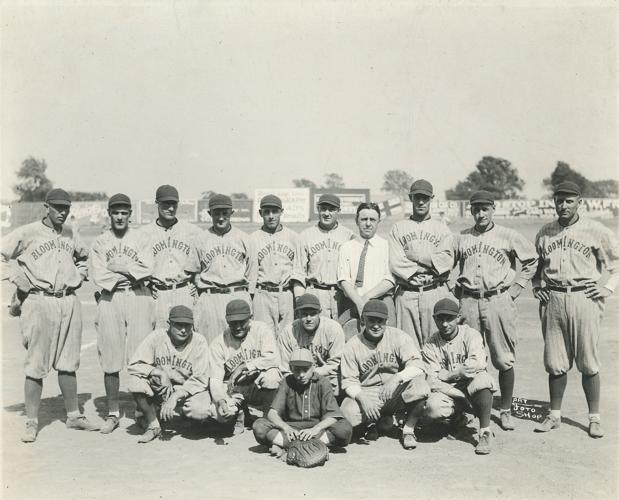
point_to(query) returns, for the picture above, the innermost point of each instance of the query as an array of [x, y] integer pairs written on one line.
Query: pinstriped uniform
[[223, 262], [316, 264], [173, 265], [51, 326], [125, 313], [571, 321], [410, 241], [487, 261]]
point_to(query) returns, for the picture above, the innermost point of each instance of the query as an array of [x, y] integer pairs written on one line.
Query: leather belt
[[567, 289], [226, 289], [273, 288], [128, 288], [61, 293], [319, 286], [482, 294], [173, 286], [422, 288]]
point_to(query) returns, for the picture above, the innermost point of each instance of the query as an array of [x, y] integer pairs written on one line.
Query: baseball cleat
[[595, 429], [371, 434], [239, 425], [151, 434], [506, 421], [81, 423], [484, 444], [30, 434], [111, 423], [548, 424], [408, 441]]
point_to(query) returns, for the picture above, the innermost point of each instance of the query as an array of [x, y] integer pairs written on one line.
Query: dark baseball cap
[[119, 199], [482, 197], [237, 310], [181, 314], [270, 200], [422, 186], [376, 309], [166, 193], [307, 301], [219, 201], [329, 199], [567, 187], [58, 196], [446, 306], [301, 357]]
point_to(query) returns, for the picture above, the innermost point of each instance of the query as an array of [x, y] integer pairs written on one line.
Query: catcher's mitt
[[242, 376], [311, 453]]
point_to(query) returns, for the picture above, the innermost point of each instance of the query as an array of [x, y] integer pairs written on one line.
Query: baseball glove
[[306, 454], [16, 302], [242, 376]]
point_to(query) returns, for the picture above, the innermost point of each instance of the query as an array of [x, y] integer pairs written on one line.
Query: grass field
[[193, 463]]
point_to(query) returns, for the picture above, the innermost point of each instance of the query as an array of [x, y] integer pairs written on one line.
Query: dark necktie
[[361, 270]]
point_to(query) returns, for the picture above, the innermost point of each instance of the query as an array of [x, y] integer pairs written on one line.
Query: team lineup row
[[378, 296]]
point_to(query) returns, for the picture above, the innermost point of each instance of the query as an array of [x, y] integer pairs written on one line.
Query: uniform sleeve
[[143, 267], [476, 353], [193, 235], [253, 264], [445, 257], [608, 255], [537, 277], [399, 264], [410, 358], [432, 360], [525, 252], [251, 270], [299, 271], [198, 381], [335, 352], [286, 345], [12, 247], [279, 401], [350, 368], [217, 360], [100, 274], [143, 359], [343, 264], [328, 405], [384, 249], [268, 348]]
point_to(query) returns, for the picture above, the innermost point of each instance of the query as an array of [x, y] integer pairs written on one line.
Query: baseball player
[[50, 265], [322, 336], [224, 263], [168, 367], [304, 407], [120, 260], [574, 252], [172, 242], [488, 286], [243, 370], [317, 256], [418, 288], [363, 270], [274, 248], [382, 373], [455, 359]]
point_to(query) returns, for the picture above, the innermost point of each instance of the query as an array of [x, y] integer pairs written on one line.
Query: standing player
[[274, 248], [418, 288], [52, 261], [363, 270], [223, 259], [172, 242], [487, 255], [321, 335], [120, 260], [316, 263], [573, 254]]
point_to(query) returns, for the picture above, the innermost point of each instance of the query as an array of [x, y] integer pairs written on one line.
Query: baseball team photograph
[[189, 312]]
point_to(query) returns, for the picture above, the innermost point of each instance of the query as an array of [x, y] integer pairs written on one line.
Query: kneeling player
[[456, 366], [304, 407], [167, 367], [382, 374]]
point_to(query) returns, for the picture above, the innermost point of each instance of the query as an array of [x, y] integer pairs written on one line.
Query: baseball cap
[[481, 197], [446, 306], [237, 310], [119, 199], [307, 301], [58, 196], [567, 187], [270, 200], [219, 201], [422, 186], [376, 309], [329, 199], [181, 314], [301, 357], [166, 193]]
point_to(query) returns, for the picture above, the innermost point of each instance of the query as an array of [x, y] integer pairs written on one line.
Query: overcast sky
[[233, 96]]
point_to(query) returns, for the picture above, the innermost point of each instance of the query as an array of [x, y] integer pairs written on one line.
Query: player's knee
[[439, 406], [351, 411], [416, 390], [260, 429], [271, 379], [481, 380]]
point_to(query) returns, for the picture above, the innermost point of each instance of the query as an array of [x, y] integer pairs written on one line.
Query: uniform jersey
[[366, 364], [325, 344], [487, 260], [317, 256], [274, 255], [132, 249], [409, 241], [573, 253], [258, 350], [49, 260], [222, 259], [190, 361], [172, 248]]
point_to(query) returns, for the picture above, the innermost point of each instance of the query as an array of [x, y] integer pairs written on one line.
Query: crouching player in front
[[382, 374], [304, 407], [168, 367], [456, 367]]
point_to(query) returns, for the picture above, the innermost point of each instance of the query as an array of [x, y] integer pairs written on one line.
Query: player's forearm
[[379, 290], [409, 373], [325, 423], [276, 420], [218, 389], [527, 272], [353, 390], [350, 291]]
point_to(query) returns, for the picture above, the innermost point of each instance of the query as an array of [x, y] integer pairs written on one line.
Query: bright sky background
[[232, 96]]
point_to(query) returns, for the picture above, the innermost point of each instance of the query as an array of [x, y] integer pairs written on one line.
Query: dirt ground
[[195, 463]]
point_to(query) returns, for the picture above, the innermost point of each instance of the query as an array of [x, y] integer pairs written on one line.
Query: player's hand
[[161, 383], [193, 291], [514, 291], [388, 390], [224, 410], [360, 304], [154, 292], [307, 434], [369, 408], [176, 377], [444, 375], [595, 291], [167, 409], [290, 433], [542, 294]]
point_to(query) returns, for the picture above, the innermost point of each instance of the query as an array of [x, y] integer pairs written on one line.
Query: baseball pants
[[330, 301], [51, 333], [167, 299], [441, 406], [276, 309], [571, 330], [340, 430], [210, 312]]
